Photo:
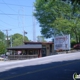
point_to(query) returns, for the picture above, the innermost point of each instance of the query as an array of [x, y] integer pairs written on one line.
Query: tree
[[71, 27], [2, 43], [2, 36], [17, 39], [72, 1], [46, 13], [2, 47], [58, 15], [41, 39], [75, 1]]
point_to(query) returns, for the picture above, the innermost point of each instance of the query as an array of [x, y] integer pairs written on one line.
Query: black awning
[[28, 46]]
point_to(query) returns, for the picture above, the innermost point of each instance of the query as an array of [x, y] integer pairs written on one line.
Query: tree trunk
[[76, 35], [76, 39], [79, 39]]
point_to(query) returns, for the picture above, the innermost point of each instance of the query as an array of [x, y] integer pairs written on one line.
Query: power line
[[16, 5], [6, 23], [14, 27], [15, 14], [10, 27], [8, 15], [8, 6]]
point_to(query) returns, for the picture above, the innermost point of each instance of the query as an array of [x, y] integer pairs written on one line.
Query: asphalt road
[[58, 70]]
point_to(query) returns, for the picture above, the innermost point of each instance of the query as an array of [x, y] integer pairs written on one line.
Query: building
[[31, 50]]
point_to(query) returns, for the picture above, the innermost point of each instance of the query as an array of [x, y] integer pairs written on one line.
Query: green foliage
[[73, 42], [2, 36], [2, 47], [75, 1], [15, 36], [2, 43], [41, 39], [17, 39], [47, 12], [67, 26], [57, 16]]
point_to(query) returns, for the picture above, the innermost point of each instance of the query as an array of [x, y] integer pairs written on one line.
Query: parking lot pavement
[[56, 67]]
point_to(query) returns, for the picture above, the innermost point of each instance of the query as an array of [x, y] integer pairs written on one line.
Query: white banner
[[62, 42]]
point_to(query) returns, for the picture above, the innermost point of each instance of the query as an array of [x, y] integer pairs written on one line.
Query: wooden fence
[[21, 57]]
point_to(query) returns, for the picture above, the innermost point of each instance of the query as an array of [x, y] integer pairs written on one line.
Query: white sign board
[[62, 42]]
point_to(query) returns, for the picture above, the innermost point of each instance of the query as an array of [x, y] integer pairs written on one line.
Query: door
[[43, 52]]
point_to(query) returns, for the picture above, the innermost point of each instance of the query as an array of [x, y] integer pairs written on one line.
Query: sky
[[11, 20]]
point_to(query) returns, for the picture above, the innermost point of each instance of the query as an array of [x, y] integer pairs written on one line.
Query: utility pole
[[7, 36], [34, 28], [34, 31], [23, 24], [24, 36], [11, 41]]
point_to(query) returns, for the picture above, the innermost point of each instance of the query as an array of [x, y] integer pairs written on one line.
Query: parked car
[[76, 46], [2, 55], [1, 59]]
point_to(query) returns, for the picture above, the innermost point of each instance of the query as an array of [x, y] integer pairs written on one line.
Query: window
[[43, 46]]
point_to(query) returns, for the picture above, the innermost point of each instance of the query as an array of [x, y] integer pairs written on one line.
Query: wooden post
[[40, 54]]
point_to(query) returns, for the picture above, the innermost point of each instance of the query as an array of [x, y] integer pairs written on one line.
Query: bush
[[2, 47], [73, 42]]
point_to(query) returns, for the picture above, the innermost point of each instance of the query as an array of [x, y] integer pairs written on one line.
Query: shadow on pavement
[[51, 71]]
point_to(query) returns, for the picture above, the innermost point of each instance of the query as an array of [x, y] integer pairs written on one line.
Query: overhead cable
[[16, 5], [15, 14]]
